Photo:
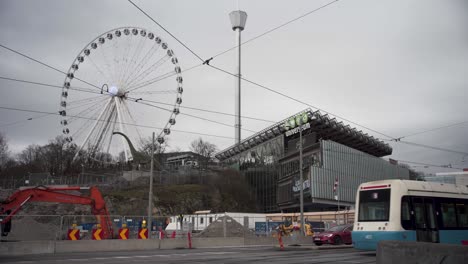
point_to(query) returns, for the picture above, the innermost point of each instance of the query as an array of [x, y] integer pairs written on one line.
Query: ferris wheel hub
[[115, 91]]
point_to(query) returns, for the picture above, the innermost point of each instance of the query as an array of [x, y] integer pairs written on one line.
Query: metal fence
[[56, 227]]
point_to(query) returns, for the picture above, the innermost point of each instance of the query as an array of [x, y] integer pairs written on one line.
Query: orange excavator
[[56, 194]]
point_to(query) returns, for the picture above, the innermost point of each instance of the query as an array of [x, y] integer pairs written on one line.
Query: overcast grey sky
[[396, 66]]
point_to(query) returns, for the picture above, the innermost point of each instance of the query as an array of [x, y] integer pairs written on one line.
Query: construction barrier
[[173, 234], [73, 234], [143, 233], [161, 233], [97, 234], [123, 233], [189, 236]]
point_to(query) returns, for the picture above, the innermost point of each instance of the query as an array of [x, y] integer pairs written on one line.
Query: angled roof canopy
[[326, 128]]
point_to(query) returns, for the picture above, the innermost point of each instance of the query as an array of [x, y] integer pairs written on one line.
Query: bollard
[[161, 233], [280, 239], [189, 236]]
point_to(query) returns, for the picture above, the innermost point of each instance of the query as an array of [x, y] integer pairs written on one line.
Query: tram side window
[[406, 213], [419, 213], [448, 215], [462, 212]]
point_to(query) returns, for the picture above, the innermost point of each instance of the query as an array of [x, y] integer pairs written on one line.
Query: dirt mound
[[34, 228], [233, 228]]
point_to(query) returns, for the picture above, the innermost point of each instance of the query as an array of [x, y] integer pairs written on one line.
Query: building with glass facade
[[332, 152]]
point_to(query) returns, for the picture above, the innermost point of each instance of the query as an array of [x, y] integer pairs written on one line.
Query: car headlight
[[329, 235]]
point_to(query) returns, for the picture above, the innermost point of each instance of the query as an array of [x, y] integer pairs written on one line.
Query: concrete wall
[[65, 246], [389, 252], [217, 242], [26, 248], [105, 245]]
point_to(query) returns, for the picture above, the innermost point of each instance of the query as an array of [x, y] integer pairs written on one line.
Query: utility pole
[[301, 176], [150, 195], [238, 19]]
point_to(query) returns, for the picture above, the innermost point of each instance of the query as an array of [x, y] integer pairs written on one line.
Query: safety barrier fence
[[224, 225]]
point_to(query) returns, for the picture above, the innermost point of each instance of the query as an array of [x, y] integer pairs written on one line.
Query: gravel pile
[[233, 228]]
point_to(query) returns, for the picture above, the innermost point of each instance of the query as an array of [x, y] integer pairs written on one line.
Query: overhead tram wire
[[41, 84], [427, 146], [24, 120], [50, 85], [301, 102], [193, 116], [205, 110], [390, 138], [101, 120], [180, 42], [431, 130], [95, 92], [46, 65]]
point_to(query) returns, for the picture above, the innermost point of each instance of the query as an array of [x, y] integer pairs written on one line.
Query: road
[[213, 255]]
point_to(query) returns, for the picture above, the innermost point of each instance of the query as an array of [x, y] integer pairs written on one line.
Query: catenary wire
[[427, 146], [130, 124], [206, 110], [433, 129], [95, 92], [185, 46], [299, 101], [193, 116], [49, 85], [46, 65]]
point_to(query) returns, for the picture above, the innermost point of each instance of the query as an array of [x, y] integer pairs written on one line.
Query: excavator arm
[[58, 195]]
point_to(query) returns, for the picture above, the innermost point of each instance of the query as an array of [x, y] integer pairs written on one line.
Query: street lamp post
[[150, 195], [238, 19], [301, 198]]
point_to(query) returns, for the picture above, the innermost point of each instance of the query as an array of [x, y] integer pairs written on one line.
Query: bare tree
[[145, 146], [4, 152], [205, 149]]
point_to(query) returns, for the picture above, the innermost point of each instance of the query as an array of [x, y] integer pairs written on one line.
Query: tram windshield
[[374, 205]]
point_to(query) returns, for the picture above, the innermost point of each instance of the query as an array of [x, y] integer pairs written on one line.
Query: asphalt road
[[212, 255]]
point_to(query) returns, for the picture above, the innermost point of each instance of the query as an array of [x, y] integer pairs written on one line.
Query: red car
[[335, 235]]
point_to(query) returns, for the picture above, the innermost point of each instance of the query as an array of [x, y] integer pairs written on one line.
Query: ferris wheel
[[125, 80]]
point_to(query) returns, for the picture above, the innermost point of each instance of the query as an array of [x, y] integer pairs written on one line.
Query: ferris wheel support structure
[[94, 127], [120, 117]]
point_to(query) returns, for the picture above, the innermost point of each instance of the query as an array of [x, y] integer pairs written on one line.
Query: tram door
[[425, 220]]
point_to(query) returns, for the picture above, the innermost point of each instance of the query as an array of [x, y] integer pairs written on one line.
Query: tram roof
[[326, 128]]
